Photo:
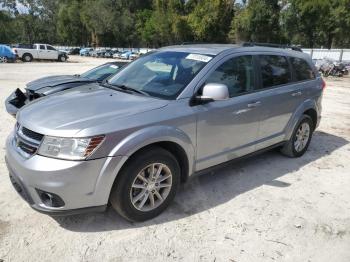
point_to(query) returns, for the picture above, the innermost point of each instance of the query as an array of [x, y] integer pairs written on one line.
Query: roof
[[209, 49], [215, 49]]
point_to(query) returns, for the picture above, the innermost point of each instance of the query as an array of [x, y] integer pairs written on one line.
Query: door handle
[[297, 93], [254, 104]]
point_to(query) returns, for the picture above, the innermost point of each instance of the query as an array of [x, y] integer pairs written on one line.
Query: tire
[[128, 186], [27, 58], [3, 59], [291, 148], [62, 58]]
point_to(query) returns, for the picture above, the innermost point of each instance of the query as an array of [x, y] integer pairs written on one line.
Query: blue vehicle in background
[[85, 51], [6, 54]]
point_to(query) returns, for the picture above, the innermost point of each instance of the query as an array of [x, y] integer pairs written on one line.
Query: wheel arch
[[27, 54], [169, 138], [308, 107], [313, 114]]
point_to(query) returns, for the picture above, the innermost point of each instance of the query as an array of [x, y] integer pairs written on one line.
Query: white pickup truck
[[39, 51]]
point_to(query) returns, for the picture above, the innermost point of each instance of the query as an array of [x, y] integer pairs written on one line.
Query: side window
[[274, 70], [302, 69], [42, 47], [50, 47], [237, 74]]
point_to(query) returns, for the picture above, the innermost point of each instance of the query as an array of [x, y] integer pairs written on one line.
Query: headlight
[[69, 148]]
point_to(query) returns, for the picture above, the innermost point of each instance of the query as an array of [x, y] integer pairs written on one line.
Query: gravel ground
[[268, 208]]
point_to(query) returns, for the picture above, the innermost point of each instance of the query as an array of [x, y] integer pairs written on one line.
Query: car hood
[[51, 81], [89, 106]]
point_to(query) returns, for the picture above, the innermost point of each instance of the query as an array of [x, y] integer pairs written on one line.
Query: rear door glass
[[274, 70], [302, 70]]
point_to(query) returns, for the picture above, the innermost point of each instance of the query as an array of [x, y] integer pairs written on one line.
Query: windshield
[[101, 72], [161, 74]]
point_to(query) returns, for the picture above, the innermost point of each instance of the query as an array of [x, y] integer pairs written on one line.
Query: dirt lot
[[269, 208]]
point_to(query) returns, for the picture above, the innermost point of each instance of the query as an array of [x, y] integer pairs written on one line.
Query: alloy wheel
[[151, 187], [3, 59], [302, 137]]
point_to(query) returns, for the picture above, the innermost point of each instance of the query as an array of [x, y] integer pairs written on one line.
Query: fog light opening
[[50, 199]]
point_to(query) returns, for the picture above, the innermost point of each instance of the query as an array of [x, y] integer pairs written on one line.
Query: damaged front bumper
[[17, 100]]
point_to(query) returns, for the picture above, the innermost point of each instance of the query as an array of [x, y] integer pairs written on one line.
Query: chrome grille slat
[[26, 141]]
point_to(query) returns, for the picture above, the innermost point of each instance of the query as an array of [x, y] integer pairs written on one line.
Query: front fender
[[154, 134], [306, 105]]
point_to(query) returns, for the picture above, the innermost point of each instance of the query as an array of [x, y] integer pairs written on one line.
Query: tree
[[7, 27], [258, 21], [210, 20], [70, 28]]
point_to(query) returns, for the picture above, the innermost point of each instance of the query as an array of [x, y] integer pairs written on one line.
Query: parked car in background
[[7, 54], [74, 51], [64, 50], [86, 51], [53, 84], [39, 51], [180, 110], [134, 56], [126, 55], [116, 54], [109, 53]]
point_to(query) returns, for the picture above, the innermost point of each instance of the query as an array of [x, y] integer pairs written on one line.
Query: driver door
[[229, 129]]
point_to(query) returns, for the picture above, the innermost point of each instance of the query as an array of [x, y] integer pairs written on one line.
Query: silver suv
[[133, 139]]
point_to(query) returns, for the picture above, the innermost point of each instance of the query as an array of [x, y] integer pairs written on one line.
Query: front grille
[[31, 134], [27, 141], [26, 148]]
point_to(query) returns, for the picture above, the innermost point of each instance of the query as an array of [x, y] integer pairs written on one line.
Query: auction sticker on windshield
[[199, 57]]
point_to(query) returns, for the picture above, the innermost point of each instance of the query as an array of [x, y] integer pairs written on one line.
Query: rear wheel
[[27, 58], [300, 139], [146, 185], [3, 59]]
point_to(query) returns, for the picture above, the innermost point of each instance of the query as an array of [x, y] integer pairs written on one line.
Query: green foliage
[[210, 20], [7, 27], [257, 22], [153, 23]]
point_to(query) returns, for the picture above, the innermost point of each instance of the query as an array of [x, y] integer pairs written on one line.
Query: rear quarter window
[[274, 70], [302, 70]]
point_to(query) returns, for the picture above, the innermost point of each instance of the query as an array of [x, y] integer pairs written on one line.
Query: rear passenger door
[[279, 98], [304, 78]]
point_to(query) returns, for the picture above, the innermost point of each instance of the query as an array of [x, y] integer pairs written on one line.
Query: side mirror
[[212, 92]]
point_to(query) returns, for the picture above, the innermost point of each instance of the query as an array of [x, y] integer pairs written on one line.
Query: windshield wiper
[[127, 88], [122, 88]]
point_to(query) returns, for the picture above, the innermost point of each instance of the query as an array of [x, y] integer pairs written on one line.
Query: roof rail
[[295, 48], [193, 43]]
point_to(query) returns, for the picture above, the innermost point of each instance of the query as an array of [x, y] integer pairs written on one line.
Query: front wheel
[[300, 139], [146, 185], [27, 58], [3, 59], [62, 58]]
